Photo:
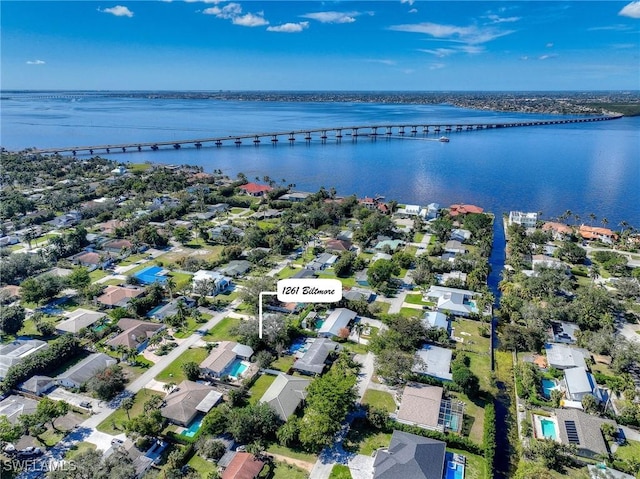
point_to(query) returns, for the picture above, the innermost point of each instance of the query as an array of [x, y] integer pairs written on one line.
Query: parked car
[[116, 442], [85, 404]]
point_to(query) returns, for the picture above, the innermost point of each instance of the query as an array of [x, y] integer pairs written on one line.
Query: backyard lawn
[[114, 424], [287, 471], [286, 451], [259, 387], [191, 326], [201, 465], [173, 372], [222, 330], [416, 299], [340, 471], [379, 399], [468, 330], [283, 363], [410, 312], [629, 451]]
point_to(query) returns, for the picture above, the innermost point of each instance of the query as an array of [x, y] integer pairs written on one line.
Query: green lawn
[[50, 438], [173, 372], [410, 312], [379, 399], [473, 417], [629, 451], [287, 471], [384, 307], [416, 299], [201, 465], [418, 237], [114, 424], [78, 448], [476, 466], [259, 387], [182, 280], [286, 451], [469, 331], [191, 326], [287, 272], [283, 363], [97, 274], [222, 330], [138, 166], [340, 472]]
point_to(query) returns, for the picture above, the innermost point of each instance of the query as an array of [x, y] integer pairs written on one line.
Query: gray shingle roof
[[285, 394], [410, 456], [313, 360], [588, 430]]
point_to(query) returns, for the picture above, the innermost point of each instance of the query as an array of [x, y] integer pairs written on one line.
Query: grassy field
[[410, 312], [201, 465], [287, 471], [340, 472], [286, 451], [259, 387], [173, 372], [114, 424], [97, 274], [222, 330], [469, 331], [283, 363], [191, 326], [416, 299], [78, 448], [379, 399], [630, 451]]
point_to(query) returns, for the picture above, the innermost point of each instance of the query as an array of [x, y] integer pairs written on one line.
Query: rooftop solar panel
[[572, 432]]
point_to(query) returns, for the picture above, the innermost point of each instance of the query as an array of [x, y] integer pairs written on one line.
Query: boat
[[444, 139]]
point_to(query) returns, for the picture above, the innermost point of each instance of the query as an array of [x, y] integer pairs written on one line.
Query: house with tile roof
[[135, 333], [254, 189], [187, 399], [119, 296], [243, 466]]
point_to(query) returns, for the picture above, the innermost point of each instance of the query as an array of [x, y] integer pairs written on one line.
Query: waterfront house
[[295, 197], [410, 456], [314, 359], [590, 233], [435, 319], [459, 234], [458, 209], [285, 394], [222, 357], [187, 399], [77, 375], [119, 296], [254, 189], [434, 361], [578, 383], [432, 211], [561, 356], [559, 231], [527, 220], [584, 431], [457, 276], [15, 352], [337, 320], [79, 319], [452, 300], [135, 334]]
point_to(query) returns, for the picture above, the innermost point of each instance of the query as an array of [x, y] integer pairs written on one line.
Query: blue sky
[[287, 45]]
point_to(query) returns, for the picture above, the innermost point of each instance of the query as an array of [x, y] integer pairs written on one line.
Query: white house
[[217, 281], [434, 361], [528, 220], [434, 319], [337, 320], [79, 374], [456, 301], [579, 382]]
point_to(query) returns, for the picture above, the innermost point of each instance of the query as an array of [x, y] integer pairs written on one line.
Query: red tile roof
[[255, 188], [455, 210], [243, 466], [592, 232], [557, 227]]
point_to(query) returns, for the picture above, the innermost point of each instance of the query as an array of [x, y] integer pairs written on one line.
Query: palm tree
[[127, 405], [169, 386], [592, 217], [604, 222], [170, 284], [576, 218], [358, 328]]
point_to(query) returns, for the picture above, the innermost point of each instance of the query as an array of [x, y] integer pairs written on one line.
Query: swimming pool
[[236, 369], [548, 429], [151, 275], [455, 470], [297, 345], [193, 427], [547, 386]]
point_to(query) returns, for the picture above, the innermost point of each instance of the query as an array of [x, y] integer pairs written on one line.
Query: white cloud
[[233, 11], [632, 10], [36, 62], [413, 10], [471, 35], [250, 20], [289, 27], [332, 17], [445, 52], [546, 57], [498, 19], [618, 27], [200, 1], [549, 45], [436, 66], [525, 58], [383, 61], [410, 2], [118, 11]]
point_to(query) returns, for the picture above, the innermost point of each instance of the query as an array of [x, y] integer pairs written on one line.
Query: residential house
[[9, 240], [14, 406], [424, 406], [337, 320], [561, 356], [362, 277], [221, 358], [563, 332], [267, 214], [452, 300], [345, 235], [579, 382], [295, 197], [135, 333], [461, 235], [162, 202], [380, 255], [590, 233], [304, 273], [109, 227], [543, 261], [119, 170], [38, 385], [432, 211], [235, 268], [358, 294], [116, 246], [410, 456], [527, 220], [254, 189], [389, 244], [458, 209], [218, 208], [225, 232], [434, 361], [322, 261], [77, 375], [67, 220], [243, 466], [314, 359], [217, 281], [171, 308], [187, 399], [285, 394], [454, 247], [338, 246], [119, 296], [15, 352], [559, 231], [91, 259], [583, 431], [435, 319], [79, 319], [457, 276]]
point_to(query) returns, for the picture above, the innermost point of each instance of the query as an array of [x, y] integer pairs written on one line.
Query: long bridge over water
[[323, 134]]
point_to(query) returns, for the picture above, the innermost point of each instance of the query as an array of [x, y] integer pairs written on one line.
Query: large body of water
[[586, 167]]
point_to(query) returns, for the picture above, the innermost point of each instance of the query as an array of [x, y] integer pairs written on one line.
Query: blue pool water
[[237, 368], [454, 470], [548, 429], [297, 345], [547, 386], [193, 427], [150, 275], [154, 310]]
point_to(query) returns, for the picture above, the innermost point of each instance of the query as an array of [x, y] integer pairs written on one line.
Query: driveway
[[61, 394], [629, 331]]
